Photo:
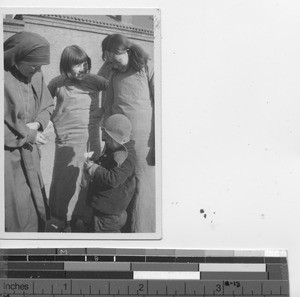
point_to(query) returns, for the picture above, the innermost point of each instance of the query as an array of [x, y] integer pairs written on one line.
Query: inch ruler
[[145, 272]]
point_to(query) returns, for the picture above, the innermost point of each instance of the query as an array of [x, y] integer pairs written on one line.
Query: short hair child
[[76, 123], [72, 55]]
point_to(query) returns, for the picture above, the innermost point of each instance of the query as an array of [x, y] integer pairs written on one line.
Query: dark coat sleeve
[[101, 82], [16, 133], [46, 101], [116, 176], [109, 99]]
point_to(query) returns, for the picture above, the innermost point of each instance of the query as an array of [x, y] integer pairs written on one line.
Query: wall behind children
[[230, 103]]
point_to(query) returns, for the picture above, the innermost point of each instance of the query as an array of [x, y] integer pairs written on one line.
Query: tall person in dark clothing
[[131, 93], [27, 109]]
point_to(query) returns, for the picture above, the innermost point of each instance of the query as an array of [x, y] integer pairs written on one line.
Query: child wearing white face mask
[[76, 123], [131, 92]]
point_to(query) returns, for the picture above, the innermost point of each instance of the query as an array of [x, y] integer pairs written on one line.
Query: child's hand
[[88, 164], [90, 167]]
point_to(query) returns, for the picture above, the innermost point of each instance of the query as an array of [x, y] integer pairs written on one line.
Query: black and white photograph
[[160, 139], [80, 124]]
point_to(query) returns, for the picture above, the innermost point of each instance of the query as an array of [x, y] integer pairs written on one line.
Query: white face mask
[[118, 61], [28, 70]]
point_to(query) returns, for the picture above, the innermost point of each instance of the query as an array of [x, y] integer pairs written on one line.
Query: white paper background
[[230, 126]]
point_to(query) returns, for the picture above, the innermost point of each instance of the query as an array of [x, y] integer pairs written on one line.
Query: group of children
[[88, 193], [111, 190]]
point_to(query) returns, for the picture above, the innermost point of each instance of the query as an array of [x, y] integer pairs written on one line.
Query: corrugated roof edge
[[105, 24]]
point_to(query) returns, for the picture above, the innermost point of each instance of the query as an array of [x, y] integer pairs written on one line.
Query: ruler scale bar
[[164, 288], [143, 272]]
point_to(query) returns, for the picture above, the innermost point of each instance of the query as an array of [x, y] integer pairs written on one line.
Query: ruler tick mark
[[147, 287]]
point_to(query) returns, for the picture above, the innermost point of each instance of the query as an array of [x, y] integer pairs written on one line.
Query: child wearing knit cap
[[113, 180]]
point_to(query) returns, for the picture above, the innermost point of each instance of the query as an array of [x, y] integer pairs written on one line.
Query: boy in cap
[[113, 176]]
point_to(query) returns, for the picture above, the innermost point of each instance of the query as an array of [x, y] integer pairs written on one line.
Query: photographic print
[[81, 124]]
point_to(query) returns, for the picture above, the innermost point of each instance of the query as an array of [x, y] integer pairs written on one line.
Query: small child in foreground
[[112, 176]]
